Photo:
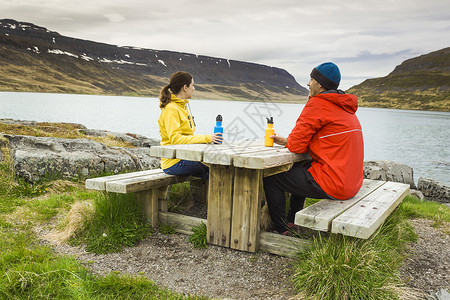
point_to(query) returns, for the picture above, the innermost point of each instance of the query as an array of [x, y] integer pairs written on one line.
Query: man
[[329, 131]]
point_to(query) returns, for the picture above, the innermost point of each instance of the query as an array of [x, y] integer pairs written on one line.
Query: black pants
[[300, 184]]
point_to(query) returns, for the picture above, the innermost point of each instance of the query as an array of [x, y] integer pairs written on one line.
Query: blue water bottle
[[218, 127]]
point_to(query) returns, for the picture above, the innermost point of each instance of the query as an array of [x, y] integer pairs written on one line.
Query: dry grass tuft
[[61, 186], [74, 220], [407, 293], [265, 220]]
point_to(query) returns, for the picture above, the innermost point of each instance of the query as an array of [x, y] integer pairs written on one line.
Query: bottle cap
[[219, 118], [269, 120]]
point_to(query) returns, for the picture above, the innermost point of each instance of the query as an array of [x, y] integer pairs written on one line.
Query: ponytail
[[165, 96], [177, 81]]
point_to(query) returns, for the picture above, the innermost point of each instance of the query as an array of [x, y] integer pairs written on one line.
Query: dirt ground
[[427, 266], [172, 262]]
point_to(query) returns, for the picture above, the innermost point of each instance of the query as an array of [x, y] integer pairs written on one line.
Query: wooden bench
[[359, 216], [150, 186]]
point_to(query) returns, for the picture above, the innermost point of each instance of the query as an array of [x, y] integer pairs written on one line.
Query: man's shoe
[[291, 229]]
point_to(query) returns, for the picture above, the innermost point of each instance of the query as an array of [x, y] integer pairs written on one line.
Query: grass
[[413, 207], [117, 222], [179, 197], [29, 270], [340, 267], [61, 130], [198, 239]]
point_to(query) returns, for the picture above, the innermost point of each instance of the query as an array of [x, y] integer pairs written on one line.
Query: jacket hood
[[175, 99], [347, 102], [178, 100]]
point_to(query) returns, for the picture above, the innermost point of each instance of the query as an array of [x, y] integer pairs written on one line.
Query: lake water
[[419, 139]]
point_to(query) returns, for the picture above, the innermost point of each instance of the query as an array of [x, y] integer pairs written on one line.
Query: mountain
[[36, 59], [418, 83]]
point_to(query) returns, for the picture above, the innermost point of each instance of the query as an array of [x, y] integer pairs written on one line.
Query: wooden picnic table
[[235, 188]]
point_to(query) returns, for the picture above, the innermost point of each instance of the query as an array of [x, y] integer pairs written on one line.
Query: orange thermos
[[268, 141]]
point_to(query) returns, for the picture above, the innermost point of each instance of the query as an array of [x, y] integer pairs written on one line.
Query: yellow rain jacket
[[176, 127]]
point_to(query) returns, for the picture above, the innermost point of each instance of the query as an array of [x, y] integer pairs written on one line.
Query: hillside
[[419, 83], [35, 59]]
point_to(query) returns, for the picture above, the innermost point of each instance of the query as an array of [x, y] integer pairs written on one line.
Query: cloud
[[114, 17], [366, 38]]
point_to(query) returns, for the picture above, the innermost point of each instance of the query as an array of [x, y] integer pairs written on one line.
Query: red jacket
[[330, 131]]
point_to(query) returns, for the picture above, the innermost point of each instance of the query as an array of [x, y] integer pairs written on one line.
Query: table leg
[[245, 225], [220, 192]]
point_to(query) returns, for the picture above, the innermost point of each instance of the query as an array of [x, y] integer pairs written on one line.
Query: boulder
[[37, 157], [3, 145], [434, 190], [416, 193], [389, 171]]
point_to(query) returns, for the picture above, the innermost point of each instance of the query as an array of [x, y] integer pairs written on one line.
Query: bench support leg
[[150, 201]]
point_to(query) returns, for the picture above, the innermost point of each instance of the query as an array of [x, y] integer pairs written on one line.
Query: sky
[[366, 39]]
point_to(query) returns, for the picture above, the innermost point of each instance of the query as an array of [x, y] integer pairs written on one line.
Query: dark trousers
[[188, 168], [300, 184]]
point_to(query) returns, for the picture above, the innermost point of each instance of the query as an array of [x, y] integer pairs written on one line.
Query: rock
[[416, 193], [136, 140], [442, 295], [434, 190], [37, 157], [3, 144], [389, 171], [35, 123]]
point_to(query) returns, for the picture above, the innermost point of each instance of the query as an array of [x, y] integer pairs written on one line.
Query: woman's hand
[[278, 139], [217, 138]]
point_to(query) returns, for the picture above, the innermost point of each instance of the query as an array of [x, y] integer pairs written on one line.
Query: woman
[[177, 126]]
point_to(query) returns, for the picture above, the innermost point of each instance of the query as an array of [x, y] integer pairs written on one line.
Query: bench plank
[[363, 219], [320, 215], [99, 183], [146, 182]]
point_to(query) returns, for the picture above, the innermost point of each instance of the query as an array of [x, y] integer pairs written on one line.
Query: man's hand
[[278, 139]]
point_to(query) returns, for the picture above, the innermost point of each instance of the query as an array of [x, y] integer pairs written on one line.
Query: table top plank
[[195, 151], [170, 151], [247, 154], [263, 160], [225, 156]]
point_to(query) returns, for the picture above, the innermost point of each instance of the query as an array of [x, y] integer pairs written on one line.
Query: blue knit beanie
[[328, 75]]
